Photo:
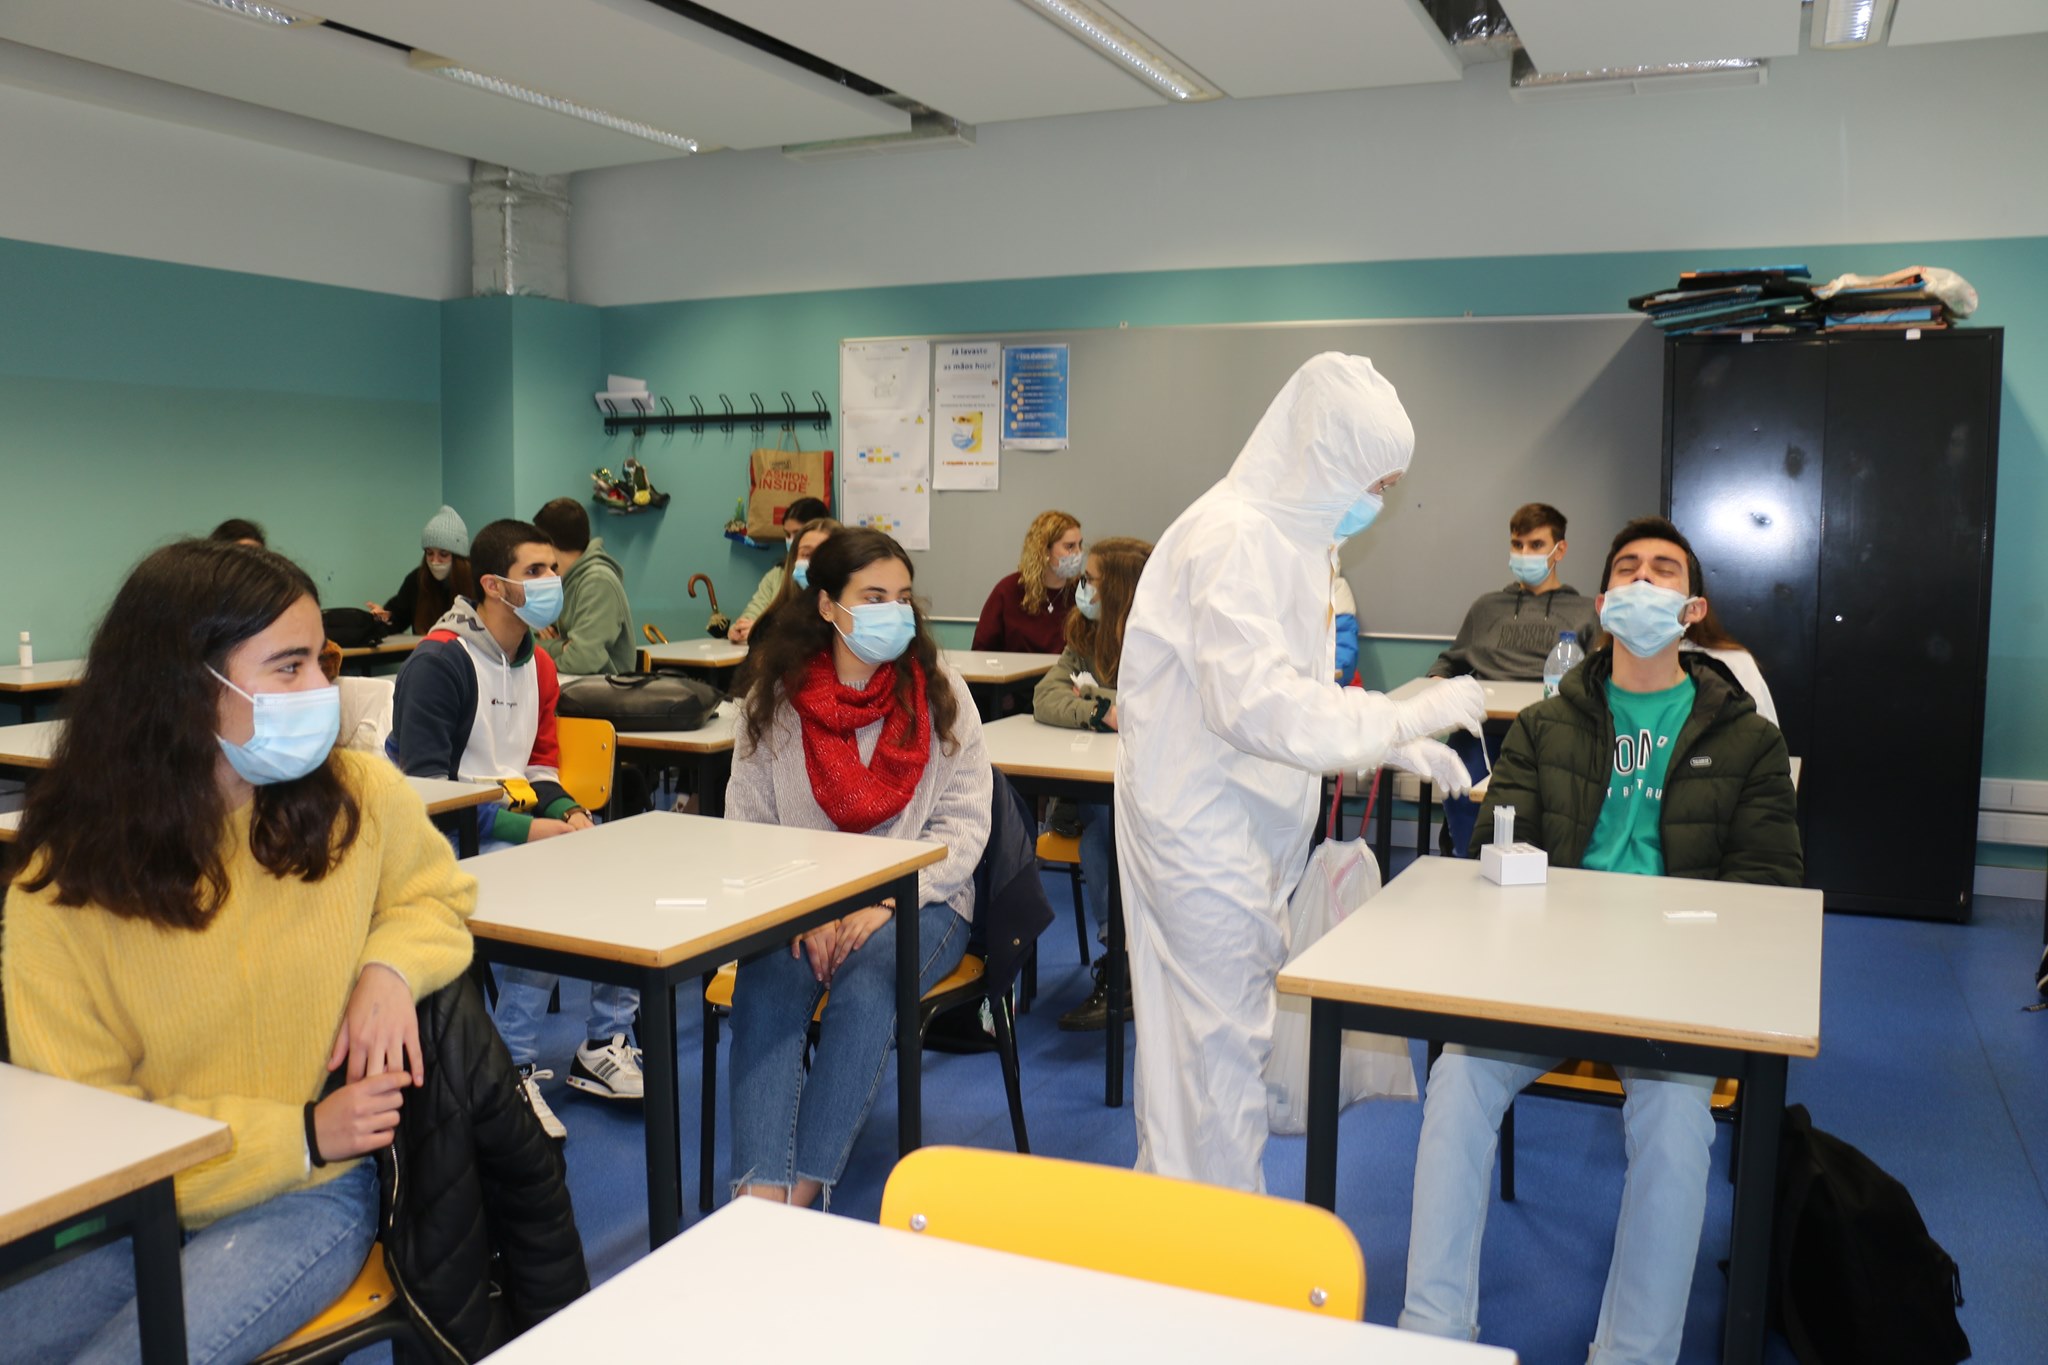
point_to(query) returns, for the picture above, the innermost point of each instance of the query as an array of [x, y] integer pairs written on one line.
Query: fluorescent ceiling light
[[1850, 23], [1527, 82], [261, 13], [1129, 49], [442, 66]]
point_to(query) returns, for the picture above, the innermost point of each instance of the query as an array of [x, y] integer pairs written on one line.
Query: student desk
[[764, 1281], [27, 748], [708, 656], [1504, 701], [1588, 966], [366, 657], [1079, 766], [81, 1167], [584, 905], [706, 752], [987, 672], [10, 826], [30, 687], [446, 800]]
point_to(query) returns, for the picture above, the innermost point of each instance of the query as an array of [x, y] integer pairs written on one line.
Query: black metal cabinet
[[1839, 491]]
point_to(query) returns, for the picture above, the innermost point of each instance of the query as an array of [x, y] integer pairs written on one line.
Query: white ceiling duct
[[518, 232]]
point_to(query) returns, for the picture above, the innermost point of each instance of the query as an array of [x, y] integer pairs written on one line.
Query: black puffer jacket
[[478, 1233], [1010, 908]]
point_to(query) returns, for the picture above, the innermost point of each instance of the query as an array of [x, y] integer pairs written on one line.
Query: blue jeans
[[251, 1280], [1095, 863], [1461, 813], [1669, 1134], [523, 1001], [788, 1125]]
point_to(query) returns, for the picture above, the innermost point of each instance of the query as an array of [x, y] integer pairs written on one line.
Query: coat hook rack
[[726, 419]]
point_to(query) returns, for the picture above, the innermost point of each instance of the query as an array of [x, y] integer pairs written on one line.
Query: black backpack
[[1855, 1277], [352, 627], [640, 701]]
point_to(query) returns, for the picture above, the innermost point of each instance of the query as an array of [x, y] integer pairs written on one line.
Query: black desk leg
[[1756, 1185], [714, 774], [1422, 809], [664, 1121], [1325, 1053], [909, 1034], [1116, 984], [1383, 840], [25, 703], [465, 834], [159, 1279]]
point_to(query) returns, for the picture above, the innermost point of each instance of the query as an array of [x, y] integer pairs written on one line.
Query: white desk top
[[10, 826], [391, 644], [1020, 747], [49, 677], [713, 736], [762, 1281], [29, 746], [998, 666], [65, 1148], [1589, 950], [443, 796], [1504, 700], [594, 892], [705, 653]]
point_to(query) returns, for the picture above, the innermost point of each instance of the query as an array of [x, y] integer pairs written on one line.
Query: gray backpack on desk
[[640, 701]]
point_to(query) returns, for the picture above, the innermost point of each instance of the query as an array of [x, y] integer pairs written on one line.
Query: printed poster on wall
[[885, 376], [967, 393], [891, 443], [1035, 397], [900, 507]]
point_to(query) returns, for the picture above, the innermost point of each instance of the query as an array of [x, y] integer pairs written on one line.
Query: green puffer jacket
[[1730, 813]]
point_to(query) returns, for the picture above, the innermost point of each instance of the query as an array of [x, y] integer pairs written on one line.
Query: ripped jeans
[[789, 1124]]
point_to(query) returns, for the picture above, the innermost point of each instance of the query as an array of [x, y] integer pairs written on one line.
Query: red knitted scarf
[[857, 797]]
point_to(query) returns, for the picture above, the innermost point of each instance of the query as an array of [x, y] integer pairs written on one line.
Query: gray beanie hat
[[446, 532]]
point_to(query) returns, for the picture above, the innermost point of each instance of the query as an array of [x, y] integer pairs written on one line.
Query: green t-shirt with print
[[1629, 835]]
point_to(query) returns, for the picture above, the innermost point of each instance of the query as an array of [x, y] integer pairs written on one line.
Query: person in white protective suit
[[1229, 716]]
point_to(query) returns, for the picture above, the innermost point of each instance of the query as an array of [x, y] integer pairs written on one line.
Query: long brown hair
[[129, 817], [1118, 562], [1046, 528], [778, 665], [436, 595]]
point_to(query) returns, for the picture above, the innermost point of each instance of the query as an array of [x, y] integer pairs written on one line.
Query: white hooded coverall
[[1228, 718]]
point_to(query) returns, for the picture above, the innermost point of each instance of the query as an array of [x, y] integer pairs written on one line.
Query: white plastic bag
[[1340, 878]]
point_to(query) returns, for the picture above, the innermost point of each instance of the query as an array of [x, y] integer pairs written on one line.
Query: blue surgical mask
[[802, 573], [543, 602], [1360, 516], [881, 631], [1086, 602], [1069, 566], [295, 731], [1643, 617], [1529, 569]]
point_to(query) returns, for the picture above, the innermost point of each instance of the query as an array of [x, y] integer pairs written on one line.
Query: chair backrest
[[590, 751], [366, 713], [1149, 1227]]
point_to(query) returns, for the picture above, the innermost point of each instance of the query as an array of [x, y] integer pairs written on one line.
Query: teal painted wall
[[790, 341], [141, 401]]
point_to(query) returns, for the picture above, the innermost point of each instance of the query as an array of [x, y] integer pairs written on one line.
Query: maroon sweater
[[1005, 625]]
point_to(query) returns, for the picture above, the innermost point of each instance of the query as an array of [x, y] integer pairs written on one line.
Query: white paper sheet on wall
[[900, 507], [885, 376], [897, 444], [967, 417]]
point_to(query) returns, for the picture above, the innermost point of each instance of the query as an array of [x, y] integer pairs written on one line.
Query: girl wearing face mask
[[1027, 610], [442, 575], [220, 913], [853, 724], [1080, 694]]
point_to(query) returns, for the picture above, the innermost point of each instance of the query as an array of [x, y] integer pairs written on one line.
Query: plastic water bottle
[[1564, 657], [26, 654]]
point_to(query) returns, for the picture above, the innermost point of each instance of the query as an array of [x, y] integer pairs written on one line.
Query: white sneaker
[[611, 1072], [529, 1088]]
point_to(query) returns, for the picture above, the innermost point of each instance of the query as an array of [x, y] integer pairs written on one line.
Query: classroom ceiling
[[979, 61]]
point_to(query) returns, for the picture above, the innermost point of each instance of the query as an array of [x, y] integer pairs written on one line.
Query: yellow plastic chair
[[653, 634], [1148, 1227], [965, 983], [1596, 1083], [1064, 850], [590, 756], [368, 1312]]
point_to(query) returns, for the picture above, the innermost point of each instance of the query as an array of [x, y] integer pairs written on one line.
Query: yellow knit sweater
[[235, 1021]]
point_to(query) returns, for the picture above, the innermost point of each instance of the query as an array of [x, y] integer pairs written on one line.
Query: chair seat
[[371, 1294], [1598, 1078], [1058, 848], [718, 991]]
